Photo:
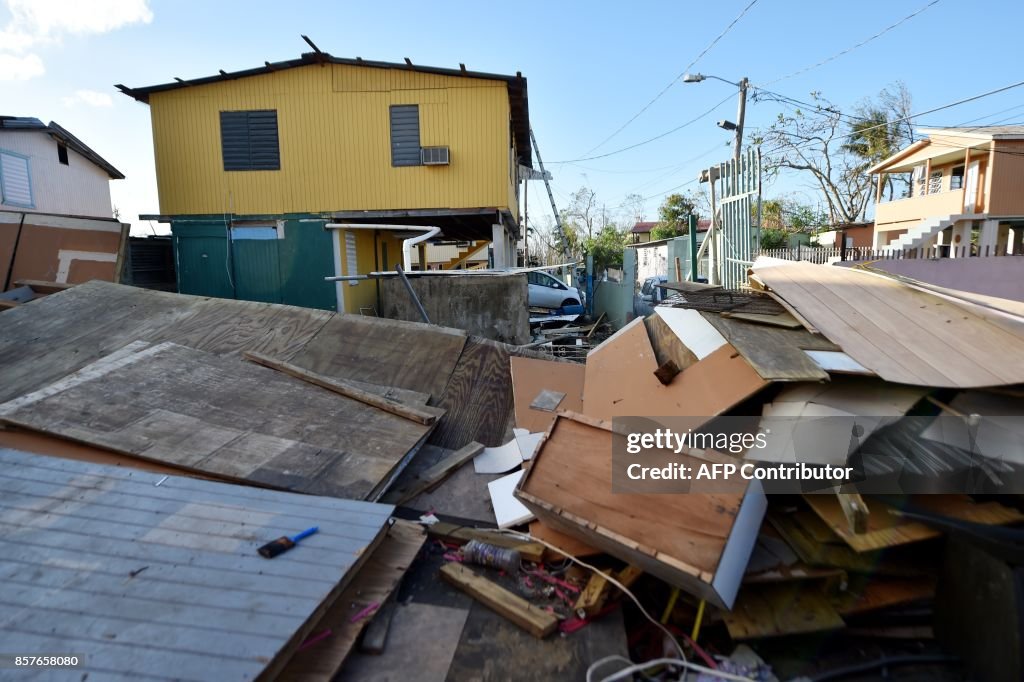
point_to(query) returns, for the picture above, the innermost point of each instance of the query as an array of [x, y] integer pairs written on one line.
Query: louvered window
[[15, 181], [249, 140], [405, 135]]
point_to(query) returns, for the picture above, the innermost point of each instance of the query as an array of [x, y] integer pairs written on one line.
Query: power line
[[912, 116], [649, 140], [676, 79], [858, 45]]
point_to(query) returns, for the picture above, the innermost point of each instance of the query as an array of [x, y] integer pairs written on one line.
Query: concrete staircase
[[920, 234]]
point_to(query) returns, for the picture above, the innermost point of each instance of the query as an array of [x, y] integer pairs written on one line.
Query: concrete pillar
[[960, 244], [988, 237], [499, 242]]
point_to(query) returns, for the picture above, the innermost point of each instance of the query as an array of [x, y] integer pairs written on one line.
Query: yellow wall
[[369, 258], [334, 132]]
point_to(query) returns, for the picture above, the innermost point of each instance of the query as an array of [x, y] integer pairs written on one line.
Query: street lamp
[[741, 108]]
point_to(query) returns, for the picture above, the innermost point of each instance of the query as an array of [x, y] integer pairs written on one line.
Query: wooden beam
[[855, 510], [593, 596], [44, 287], [449, 532], [433, 476], [342, 387], [534, 620]]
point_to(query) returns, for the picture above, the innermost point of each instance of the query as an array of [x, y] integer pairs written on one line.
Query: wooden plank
[[903, 334], [679, 538], [531, 376], [534, 620], [784, 320], [44, 287], [888, 530], [374, 583], [226, 419], [449, 532], [409, 355], [882, 592], [431, 477], [342, 387], [776, 354], [774, 610], [666, 345], [592, 597], [855, 510], [167, 581]]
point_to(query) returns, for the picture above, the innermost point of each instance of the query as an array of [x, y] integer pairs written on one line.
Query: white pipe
[[429, 231]]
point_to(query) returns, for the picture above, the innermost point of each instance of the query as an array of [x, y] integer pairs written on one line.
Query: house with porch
[[966, 193], [276, 177]]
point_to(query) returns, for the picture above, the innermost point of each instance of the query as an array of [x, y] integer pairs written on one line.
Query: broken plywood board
[[417, 357], [888, 530], [147, 572], [775, 354], [373, 584], [478, 398], [66, 331], [700, 543], [531, 376], [620, 380], [535, 620], [773, 610], [903, 334], [208, 413]]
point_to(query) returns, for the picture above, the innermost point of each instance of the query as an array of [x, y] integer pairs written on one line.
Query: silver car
[[549, 292]]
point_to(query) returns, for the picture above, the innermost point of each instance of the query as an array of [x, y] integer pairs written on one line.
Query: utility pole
[[741, 110]]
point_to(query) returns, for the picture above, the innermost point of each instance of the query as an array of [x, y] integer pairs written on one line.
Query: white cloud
[[39, 22], [90, 98], [14, 68]]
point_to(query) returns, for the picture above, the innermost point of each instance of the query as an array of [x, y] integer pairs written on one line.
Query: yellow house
[[966, 192], [262, 173]]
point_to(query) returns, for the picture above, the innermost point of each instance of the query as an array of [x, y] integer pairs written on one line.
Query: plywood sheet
[[888, 530], [531, 376], [680, 538], [215, 414], [620, 380], [773, 610], [776, 354], [408, 355], [903, 334], [159, 576]]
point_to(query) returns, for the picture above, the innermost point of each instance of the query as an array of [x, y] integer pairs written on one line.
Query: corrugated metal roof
[[517, 94], [29, 124]]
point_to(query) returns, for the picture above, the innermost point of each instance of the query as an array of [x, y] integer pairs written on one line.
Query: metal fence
[[832, 254]]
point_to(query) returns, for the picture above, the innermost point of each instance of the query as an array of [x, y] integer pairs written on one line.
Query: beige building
[[967, 192]]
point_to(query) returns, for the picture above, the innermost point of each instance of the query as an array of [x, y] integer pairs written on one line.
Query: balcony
[[914, 209]]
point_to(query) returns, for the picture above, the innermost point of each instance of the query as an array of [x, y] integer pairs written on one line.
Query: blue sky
[[591, 67]]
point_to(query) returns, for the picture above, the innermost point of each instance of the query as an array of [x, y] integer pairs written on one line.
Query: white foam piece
[[508, 511]]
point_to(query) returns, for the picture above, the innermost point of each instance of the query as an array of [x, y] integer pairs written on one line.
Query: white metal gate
[[740, 197]]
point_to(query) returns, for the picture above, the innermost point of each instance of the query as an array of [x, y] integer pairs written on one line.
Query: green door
[[257, 270]]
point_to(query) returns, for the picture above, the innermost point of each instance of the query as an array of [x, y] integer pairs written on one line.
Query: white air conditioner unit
[[434, 156]]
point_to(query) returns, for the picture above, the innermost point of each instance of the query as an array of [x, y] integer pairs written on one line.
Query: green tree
[[774, 238], [673, 216], [606, 247]]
